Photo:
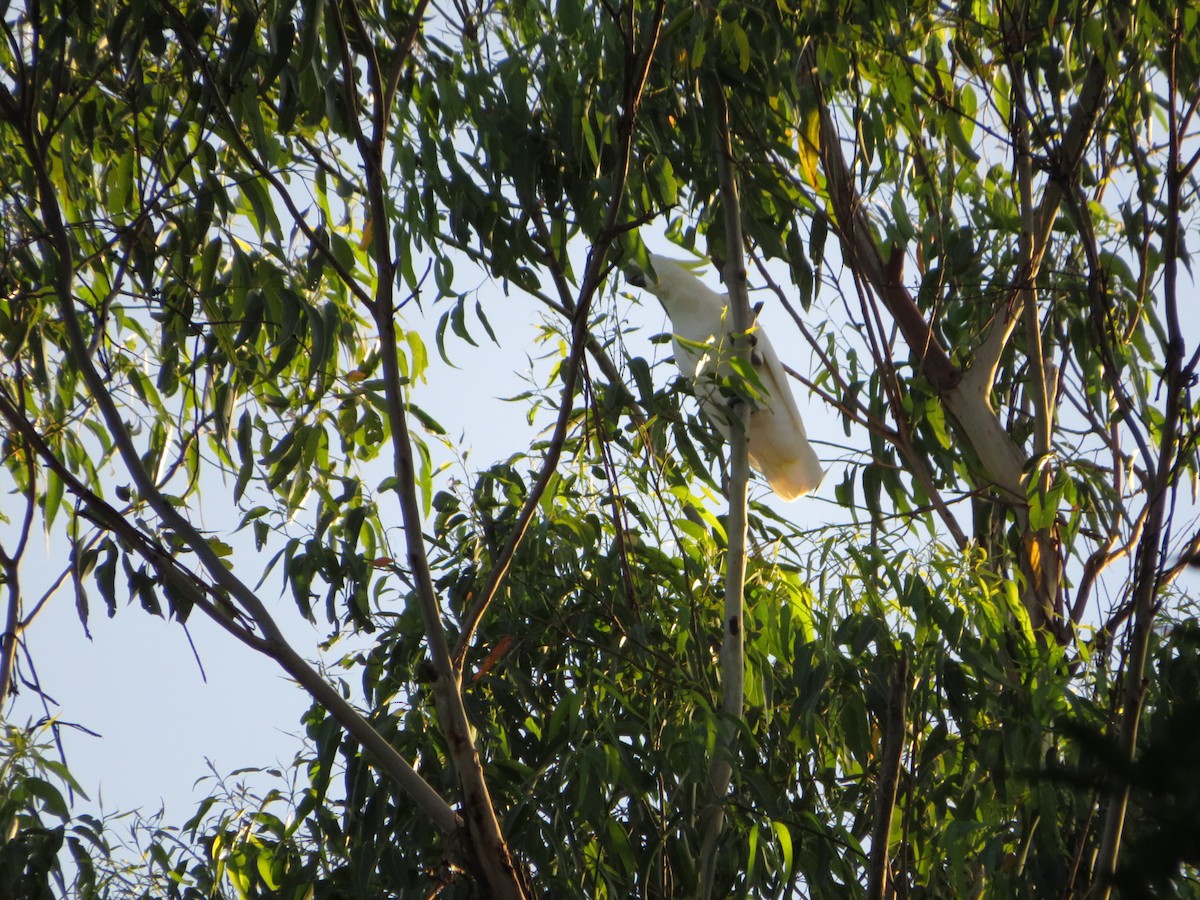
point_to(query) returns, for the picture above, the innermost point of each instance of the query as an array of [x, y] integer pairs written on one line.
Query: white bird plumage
[[776, 440]]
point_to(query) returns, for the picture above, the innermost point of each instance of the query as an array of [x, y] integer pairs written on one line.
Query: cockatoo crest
[[776, 439]]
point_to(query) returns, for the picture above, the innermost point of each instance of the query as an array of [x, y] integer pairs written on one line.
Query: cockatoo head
[[684, 296]]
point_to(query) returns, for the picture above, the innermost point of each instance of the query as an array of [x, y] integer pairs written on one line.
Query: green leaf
[[808, 143], [52, 501], [959, 139], [51, 799], [784, 836], [935, 415]]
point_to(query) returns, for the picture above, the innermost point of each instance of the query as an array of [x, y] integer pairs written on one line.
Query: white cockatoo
[[777, 443]]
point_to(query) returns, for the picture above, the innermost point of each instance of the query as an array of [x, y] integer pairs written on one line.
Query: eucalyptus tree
[[964, 677]]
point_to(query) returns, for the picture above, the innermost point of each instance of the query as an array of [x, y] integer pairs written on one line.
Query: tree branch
[[489, 849], [970, 405], [1043, 570], [967, 395], [732, 655], [10, 565], [894, 728]]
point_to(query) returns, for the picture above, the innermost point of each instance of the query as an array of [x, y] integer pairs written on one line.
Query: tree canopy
[[591, 668]]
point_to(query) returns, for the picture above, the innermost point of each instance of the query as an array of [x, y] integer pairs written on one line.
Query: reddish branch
[[966, 392]]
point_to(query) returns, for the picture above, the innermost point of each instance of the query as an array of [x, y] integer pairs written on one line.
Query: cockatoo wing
[[776, 439], [777, 442]]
